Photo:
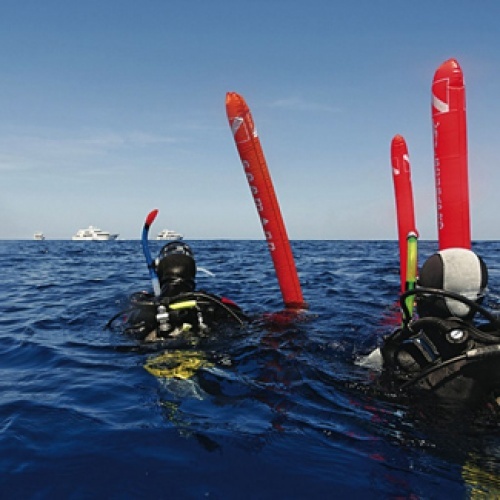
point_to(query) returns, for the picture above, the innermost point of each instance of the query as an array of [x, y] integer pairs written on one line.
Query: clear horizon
[[111, 109]]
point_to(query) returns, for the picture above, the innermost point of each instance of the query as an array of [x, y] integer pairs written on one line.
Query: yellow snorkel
[[411, 270]]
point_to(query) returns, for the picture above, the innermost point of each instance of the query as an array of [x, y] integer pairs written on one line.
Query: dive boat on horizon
[[168, 234], [93, 234], [39, 236]]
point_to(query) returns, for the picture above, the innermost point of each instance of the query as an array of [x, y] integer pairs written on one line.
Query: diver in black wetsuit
[[444, 352], [179, 309]]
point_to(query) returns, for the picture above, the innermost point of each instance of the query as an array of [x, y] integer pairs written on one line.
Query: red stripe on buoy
[[450, 156], [266, 202], [403, 191]]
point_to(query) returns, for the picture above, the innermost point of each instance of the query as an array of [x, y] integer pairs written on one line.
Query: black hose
[[470, 356], [117, 315], [444, 293]]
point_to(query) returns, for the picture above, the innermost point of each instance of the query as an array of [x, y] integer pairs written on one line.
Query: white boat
[[168, 234], [93, 234], [38, 236]]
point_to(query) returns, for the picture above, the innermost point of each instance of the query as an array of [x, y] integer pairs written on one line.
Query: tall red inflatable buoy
[[450, 156], [405, 210], [261, 187]]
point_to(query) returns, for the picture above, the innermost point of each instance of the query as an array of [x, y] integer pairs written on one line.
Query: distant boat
[[38, 236], [168, 234], [93, 234]]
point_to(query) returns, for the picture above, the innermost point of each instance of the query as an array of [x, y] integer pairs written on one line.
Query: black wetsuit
[[151, 319], [451, 358]]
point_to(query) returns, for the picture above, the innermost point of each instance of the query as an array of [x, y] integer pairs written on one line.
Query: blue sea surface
[[279, 409]]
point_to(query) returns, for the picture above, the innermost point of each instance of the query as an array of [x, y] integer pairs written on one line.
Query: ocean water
[[279, 409]]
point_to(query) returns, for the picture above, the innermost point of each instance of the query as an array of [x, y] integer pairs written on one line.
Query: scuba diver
[[452, 349], [178, 308]]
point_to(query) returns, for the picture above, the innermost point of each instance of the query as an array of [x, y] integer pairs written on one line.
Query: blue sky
[[110, 108]]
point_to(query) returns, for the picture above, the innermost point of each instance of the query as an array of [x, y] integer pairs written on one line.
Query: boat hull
[[95, 238], [169, 235]]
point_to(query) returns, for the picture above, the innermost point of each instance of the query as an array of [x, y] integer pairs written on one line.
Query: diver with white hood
[[451, 348]]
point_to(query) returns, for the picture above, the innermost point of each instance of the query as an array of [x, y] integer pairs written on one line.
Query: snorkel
[[147, 253], [411, 273]]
